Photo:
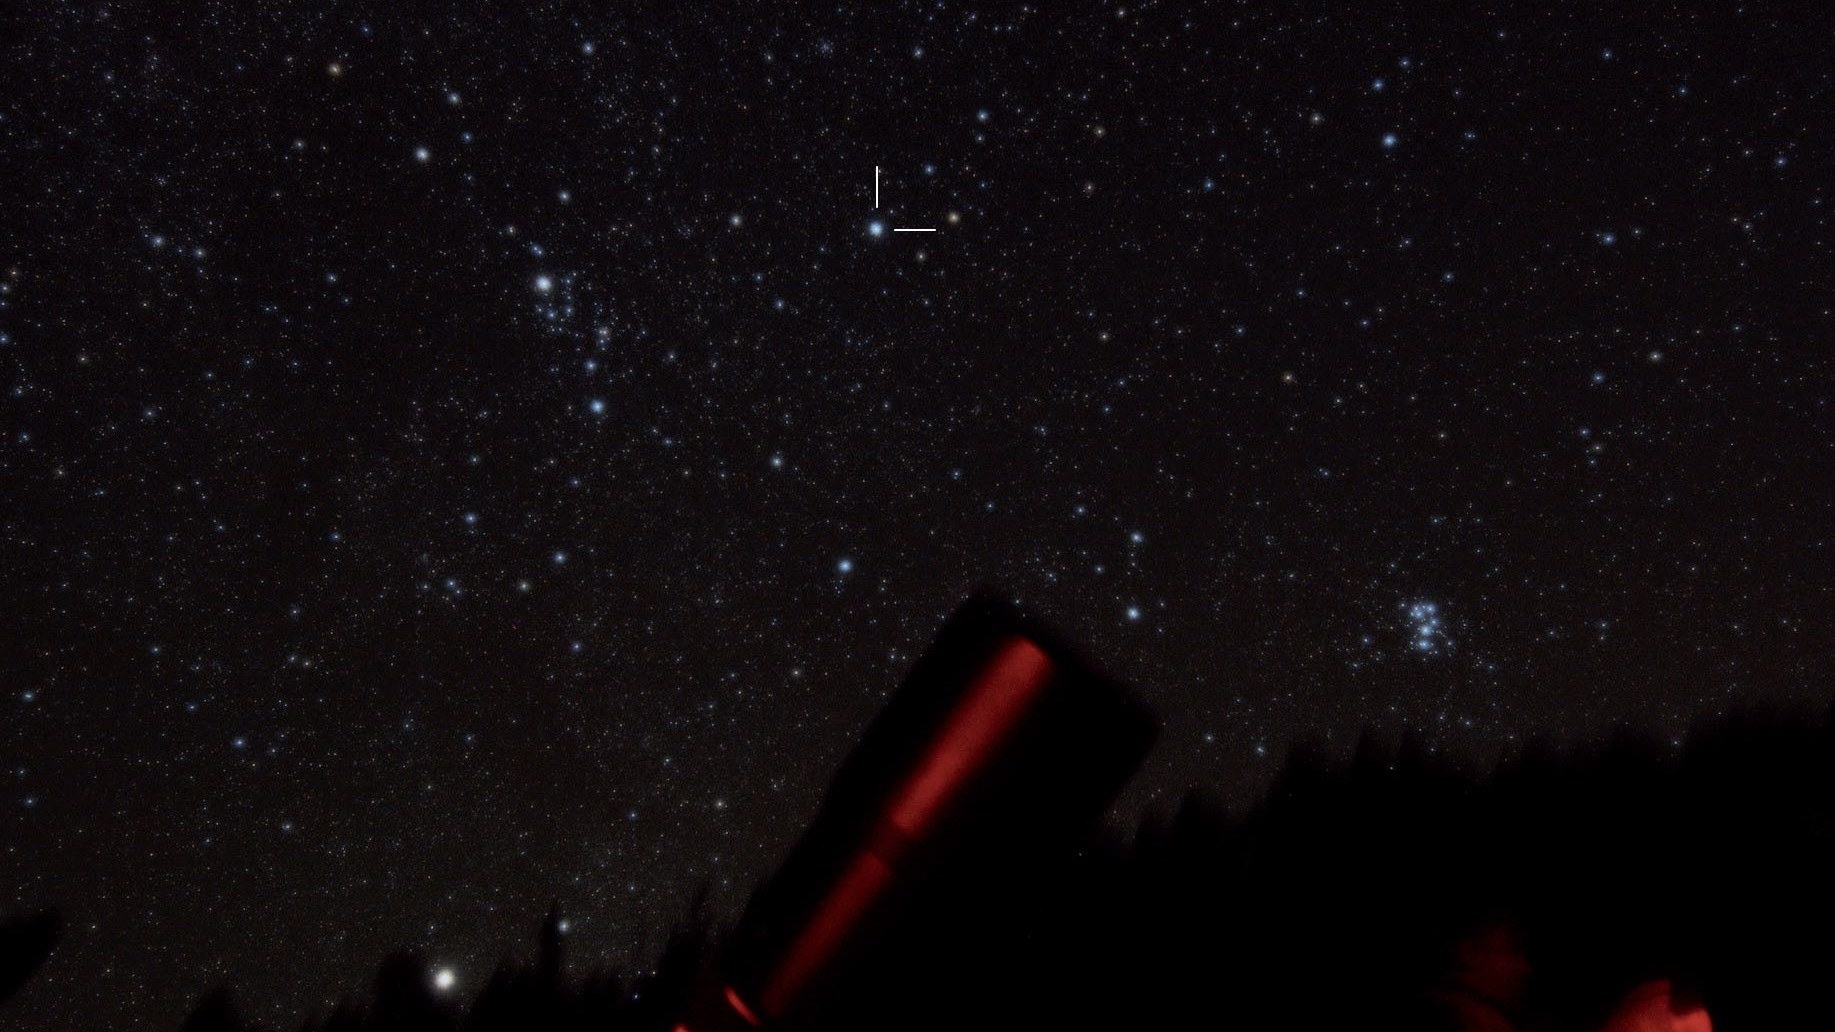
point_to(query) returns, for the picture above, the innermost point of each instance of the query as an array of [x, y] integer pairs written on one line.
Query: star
[[1424, 618]]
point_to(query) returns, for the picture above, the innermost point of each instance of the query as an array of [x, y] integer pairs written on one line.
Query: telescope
[[1000, 751]]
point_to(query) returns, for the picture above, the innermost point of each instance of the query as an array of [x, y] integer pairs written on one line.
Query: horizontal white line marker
[[901, 230]]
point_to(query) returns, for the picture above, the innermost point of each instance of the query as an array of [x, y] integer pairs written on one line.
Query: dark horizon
[[1609, 865]]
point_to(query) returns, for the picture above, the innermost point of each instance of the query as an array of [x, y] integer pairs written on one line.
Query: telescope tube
[[1001, 746]]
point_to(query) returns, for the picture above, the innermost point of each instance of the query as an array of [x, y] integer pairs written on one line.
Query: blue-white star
[[1424, 623]]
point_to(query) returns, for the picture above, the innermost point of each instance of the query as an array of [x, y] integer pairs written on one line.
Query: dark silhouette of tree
[[216, 1012], [1390, 888], [25, 941]]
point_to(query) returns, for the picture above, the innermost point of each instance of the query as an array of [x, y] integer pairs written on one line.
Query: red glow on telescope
[[739, 1007], [1008, 684]]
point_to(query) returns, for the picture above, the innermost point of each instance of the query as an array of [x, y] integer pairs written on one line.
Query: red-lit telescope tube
[[1000, 745]]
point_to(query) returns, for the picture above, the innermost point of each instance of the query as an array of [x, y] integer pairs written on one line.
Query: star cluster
[[459, 460]]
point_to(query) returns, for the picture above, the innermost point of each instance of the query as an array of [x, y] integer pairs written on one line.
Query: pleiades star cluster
[[456, 459]]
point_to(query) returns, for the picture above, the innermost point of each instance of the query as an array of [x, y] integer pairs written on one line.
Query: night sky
[[456, 461]]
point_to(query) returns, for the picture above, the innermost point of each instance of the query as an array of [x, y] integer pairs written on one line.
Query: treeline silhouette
[[1394, 888]]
